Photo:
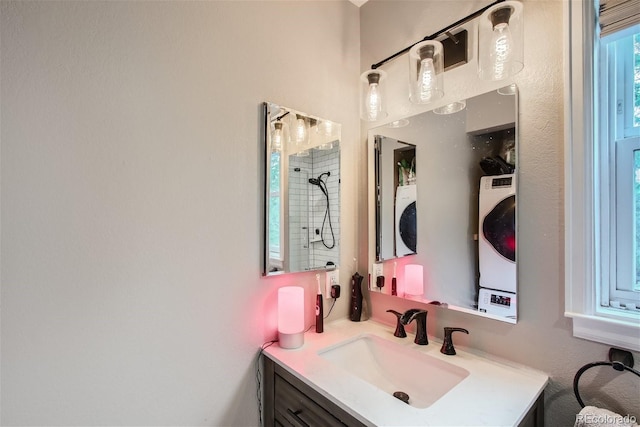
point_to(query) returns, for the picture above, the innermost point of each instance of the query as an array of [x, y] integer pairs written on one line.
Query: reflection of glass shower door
[[299, 250]]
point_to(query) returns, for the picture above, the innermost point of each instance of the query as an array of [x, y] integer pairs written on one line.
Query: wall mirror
[[395, 186], [463, 188], [301, 191]]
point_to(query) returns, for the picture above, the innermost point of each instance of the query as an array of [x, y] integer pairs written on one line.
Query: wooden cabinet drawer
[[289, 402], [294, 408]]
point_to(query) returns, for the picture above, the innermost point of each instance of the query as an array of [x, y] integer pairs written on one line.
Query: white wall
[[131, 207], [542, 338]]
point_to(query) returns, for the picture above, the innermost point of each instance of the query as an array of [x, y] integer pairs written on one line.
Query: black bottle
[[355, 309]]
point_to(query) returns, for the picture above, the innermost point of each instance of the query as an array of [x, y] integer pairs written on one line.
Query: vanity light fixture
[[426, 68], [500, 56], [290, 316], [325, 129], [451, 108], [500, 53], [372, 96], [301, 136], [301, 133], [277, 137]]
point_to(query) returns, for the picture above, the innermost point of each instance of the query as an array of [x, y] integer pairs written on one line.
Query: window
[[618, 148], [602, 171]]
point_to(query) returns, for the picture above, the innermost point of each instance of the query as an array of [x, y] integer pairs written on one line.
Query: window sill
[[619, 333]]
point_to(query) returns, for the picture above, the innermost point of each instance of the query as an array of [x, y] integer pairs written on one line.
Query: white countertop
[[496, 392]]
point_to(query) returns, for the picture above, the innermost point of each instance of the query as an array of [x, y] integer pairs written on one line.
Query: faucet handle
[[447, 345], [399, 332]]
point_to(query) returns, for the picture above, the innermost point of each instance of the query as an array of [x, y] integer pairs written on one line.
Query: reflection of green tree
[[636, 154], [636, 202], [274, 201], [636, 80]]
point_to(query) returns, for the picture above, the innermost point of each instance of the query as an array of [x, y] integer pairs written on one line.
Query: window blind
[[616, 15]]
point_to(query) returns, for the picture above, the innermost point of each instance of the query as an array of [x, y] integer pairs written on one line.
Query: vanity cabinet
[[287, 401], [535, 416]]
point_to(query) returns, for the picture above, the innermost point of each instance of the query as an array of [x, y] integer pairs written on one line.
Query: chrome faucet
[[420, 316]]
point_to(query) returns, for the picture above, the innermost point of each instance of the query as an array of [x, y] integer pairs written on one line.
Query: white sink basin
[[393, 367]]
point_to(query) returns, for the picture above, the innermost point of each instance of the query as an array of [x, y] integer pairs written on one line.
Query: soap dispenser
[[355, 308]]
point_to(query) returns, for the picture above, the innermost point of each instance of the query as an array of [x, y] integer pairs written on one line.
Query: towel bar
[[618, 359]]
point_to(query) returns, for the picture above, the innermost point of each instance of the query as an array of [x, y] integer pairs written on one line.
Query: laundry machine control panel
[[497, 302]]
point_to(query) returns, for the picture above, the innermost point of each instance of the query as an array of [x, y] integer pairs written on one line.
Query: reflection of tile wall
[[323, 161], [299, 212]]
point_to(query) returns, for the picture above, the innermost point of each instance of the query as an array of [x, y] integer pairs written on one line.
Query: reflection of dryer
[[497, 232], [406, 231]]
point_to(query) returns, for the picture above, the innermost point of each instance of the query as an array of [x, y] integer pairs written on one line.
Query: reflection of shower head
[[320, 182], [322, 185]]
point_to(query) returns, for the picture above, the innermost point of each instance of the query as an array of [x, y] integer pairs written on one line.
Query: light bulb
[[501, 51], [277, 138], [426, 79], [301, 130], [374, 102], [425, 67]]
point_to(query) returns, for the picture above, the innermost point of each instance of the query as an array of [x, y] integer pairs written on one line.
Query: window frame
[[582, 241], [616, 172]]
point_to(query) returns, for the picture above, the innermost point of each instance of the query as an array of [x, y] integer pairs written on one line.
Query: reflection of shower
[[327, 213]]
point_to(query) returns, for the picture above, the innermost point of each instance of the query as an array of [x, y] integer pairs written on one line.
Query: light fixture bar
[[438, 33]]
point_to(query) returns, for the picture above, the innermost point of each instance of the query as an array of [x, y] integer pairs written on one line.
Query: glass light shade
[[454, 107], [413, 279], [500, 40], [277, 137], [301, 130], [300, 134], [426, 71], [326, 128], [398, 124], [508, 90], [372, 96], [291, 316]]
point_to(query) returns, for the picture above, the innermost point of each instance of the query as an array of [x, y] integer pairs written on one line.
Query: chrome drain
[[402, 396]]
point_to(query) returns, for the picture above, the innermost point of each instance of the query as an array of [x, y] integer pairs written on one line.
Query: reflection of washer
[[406, 231], [497, 232]]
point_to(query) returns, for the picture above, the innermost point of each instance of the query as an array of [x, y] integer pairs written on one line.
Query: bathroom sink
[[393, 368]]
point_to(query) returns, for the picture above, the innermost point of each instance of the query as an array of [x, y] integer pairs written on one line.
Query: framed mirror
[[396, 190], [465, 180], [301, 191]]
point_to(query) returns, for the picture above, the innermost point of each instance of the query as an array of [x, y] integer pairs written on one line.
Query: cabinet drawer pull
[[297, 418]]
